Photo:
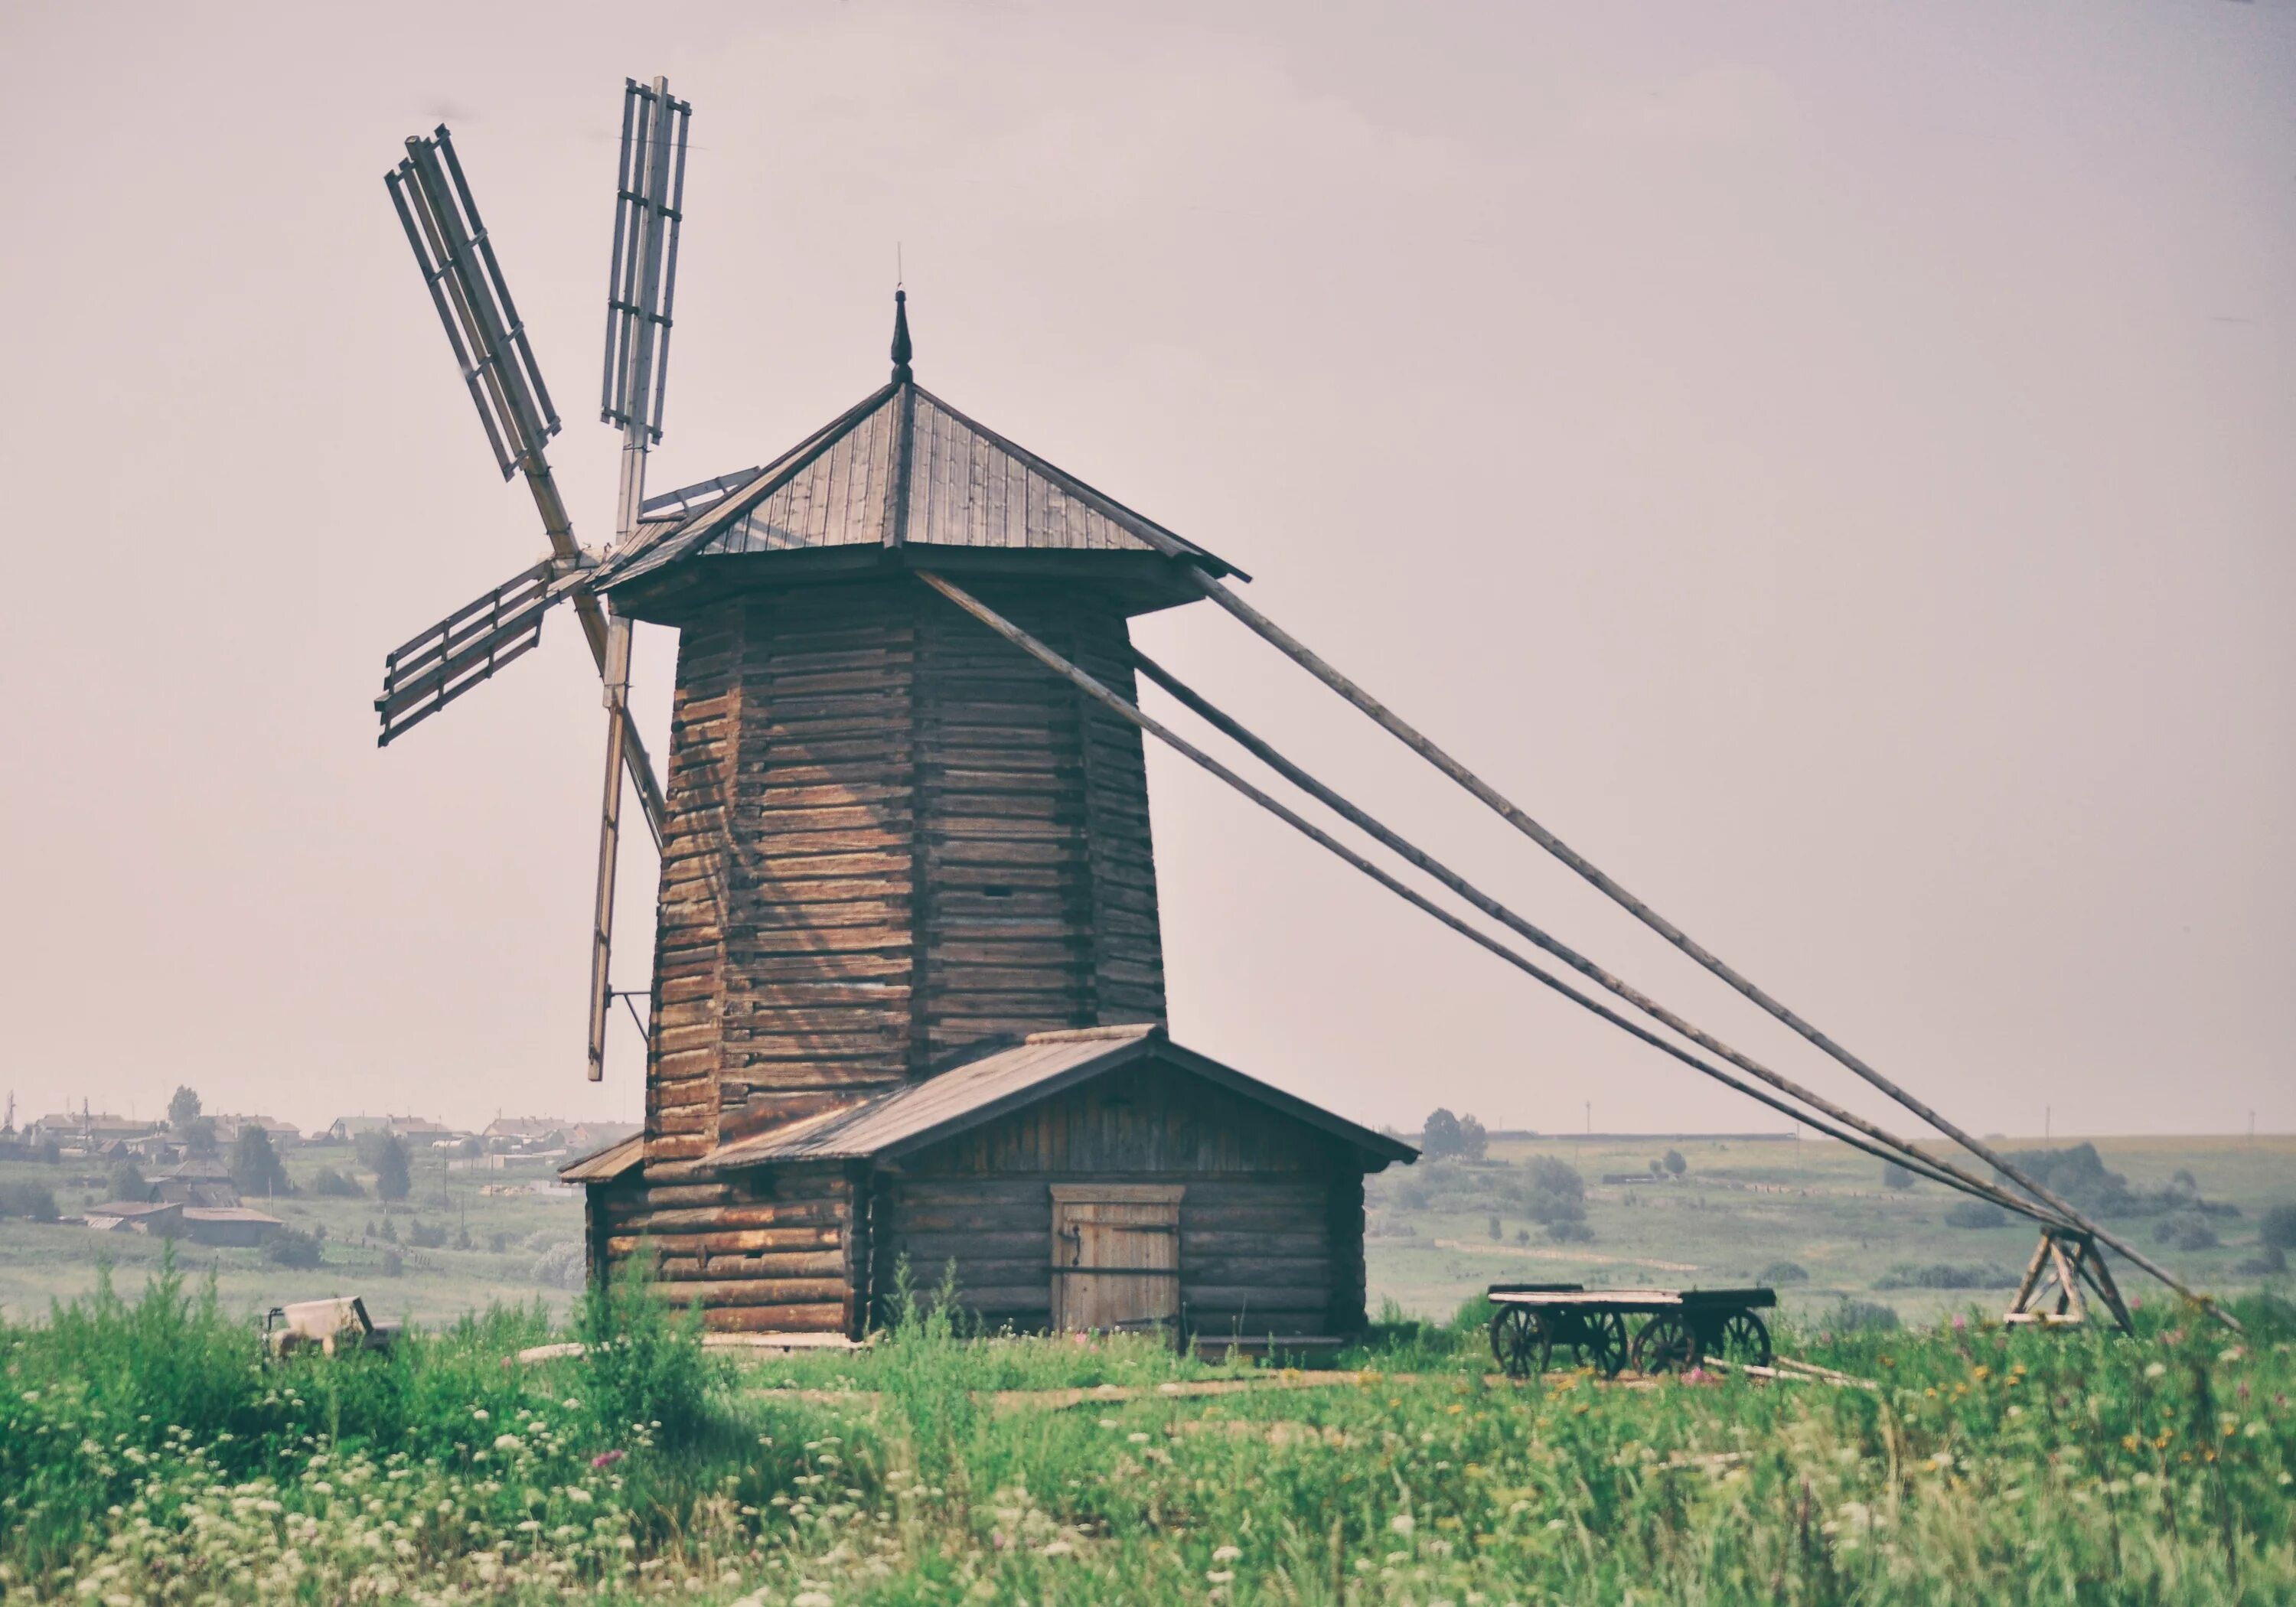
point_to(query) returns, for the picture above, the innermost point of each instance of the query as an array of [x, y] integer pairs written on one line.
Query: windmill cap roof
[[900, 469]]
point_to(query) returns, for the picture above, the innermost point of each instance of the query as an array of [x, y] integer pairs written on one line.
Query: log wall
[[890, 835], [1271, 1223], [770, 1250]]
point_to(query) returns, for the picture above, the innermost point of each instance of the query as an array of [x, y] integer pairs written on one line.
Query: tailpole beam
[[1881, 1145], [1419, 859], [1491, 797]]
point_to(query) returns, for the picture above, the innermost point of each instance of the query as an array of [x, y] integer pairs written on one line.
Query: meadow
[[506, 1236], [147, 1454], [150, 1452], [1741, 1209], [1747, 1210]]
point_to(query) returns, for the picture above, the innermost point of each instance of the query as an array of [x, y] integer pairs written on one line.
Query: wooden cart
[[1680, 1327]]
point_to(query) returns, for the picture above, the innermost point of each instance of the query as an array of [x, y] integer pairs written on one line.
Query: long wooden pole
[[1883, 1145], [1417, 857], [1300, 653]]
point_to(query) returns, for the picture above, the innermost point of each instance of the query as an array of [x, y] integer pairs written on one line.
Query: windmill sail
[[642, 282], [466, 647], [450, 244]]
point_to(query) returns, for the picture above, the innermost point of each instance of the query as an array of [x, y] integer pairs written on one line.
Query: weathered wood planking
[[1265, 1214]]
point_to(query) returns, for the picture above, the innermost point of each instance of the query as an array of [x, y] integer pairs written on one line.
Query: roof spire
[[901, 349]]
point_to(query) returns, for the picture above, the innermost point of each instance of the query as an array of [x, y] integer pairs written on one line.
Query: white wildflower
[[1227, 1554], [1402, 1523]]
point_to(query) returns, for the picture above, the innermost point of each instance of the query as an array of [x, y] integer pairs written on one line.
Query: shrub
[[394, 1265], [1497, 1231], [1411, 1195], [1785, 1272], [1557, 1194], [499, 1244], [2269, 1260], [33, 1201], [423, 1237], [1863, 1317], [647, 1369], [331, 1184], [292, 1247], [1570, 1230], [127, 1183], [561, 1267], [1675, 1164], [2278, 1228], [1946, 1274], [1976, 1213], [1894, 1176], [2196, 1235]]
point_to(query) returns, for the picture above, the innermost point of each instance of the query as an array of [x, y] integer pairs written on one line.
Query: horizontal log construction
[[890, 837]]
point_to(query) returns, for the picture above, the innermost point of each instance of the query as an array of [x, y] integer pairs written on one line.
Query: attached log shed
[[1104, 1178]]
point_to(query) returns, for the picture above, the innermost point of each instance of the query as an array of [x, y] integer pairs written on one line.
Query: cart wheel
[[1604, 1349], [1520, 1341], [1744, 1339], [1666, 1344]]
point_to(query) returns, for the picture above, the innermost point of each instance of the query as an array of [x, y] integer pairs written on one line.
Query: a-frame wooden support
[[2067, 1259]]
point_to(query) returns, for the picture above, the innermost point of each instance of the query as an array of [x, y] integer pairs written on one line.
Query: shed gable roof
[[979, 1091]]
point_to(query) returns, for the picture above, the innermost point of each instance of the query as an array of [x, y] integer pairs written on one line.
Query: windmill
[[464, 277]]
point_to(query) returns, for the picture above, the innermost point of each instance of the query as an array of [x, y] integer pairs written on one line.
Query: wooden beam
[[1299, 653], [1881, 1144]]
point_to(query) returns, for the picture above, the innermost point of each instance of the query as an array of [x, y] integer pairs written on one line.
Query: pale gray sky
[[1830, 464]]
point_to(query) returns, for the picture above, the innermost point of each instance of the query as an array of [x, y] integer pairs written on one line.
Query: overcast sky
[[1832, 464]]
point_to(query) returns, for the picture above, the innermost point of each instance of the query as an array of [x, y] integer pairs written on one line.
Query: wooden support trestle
[[2066, 1259]]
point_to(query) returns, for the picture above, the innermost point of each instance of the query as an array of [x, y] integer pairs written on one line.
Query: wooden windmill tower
[[908, 992]]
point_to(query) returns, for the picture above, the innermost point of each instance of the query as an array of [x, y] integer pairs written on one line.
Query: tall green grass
[[149, 1452], [145, 1413]]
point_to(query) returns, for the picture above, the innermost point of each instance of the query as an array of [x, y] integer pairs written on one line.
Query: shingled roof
[[901, 468]]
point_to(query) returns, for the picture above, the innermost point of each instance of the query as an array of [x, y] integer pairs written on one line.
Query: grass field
[[146, 1455], [41, 1262], [1742, 1207]]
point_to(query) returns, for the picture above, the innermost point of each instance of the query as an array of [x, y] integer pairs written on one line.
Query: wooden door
[[1116, 1255]]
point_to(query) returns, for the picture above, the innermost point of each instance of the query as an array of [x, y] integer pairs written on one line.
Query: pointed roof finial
[[901, 349]]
